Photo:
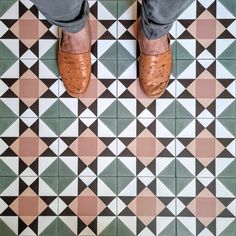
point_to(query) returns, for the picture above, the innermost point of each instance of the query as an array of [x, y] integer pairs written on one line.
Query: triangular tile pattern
[[145, 202], [114, 162], [208, 32], [206, 204]]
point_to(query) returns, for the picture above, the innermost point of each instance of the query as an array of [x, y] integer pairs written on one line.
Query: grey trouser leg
[[70, 15], [157, 16]]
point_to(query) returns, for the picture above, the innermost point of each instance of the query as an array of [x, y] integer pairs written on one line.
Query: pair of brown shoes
[[154, 72]]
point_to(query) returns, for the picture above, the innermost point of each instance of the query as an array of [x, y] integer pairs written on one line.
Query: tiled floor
[[115, 162]]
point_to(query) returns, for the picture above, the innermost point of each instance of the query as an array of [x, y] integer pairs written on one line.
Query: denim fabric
[[70, 15], [157, 16]]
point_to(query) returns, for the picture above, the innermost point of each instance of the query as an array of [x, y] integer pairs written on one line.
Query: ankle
[[153, 46], [79, 42]]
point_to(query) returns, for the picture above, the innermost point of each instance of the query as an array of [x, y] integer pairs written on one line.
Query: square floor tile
[[87, 147], [203, 153], [87, 205], [15, 196], [142, 208], [207, 204]]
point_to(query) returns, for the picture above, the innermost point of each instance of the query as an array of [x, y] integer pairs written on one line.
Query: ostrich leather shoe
[[75, 71], [154, 72]]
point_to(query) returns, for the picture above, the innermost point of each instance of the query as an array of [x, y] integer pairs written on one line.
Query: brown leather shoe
[[75, 70], [154, 72]]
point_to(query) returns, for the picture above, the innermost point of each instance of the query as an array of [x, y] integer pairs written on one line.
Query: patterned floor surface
[[115, 163]]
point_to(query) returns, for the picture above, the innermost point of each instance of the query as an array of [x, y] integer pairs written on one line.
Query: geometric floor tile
[[114, 162], [146, 206], [207, 205]]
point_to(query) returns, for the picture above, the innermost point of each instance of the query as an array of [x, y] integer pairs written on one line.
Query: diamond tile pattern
[[114, 162]]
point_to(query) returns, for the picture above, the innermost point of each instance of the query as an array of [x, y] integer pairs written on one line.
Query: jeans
[[157, 16]]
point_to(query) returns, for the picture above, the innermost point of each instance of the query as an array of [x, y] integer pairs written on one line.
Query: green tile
[[110, 182], [110, 230], [230, 5], [5, 5], [111, 124], [168, 112], [5, 111], [111, 66], [64, 170], [182, 112], [181, 124], [5, 230], [52, 111], [123, 65], [6, 64], [182, 65], [110, 170], [123, 112], [4, 169], [182, 230], [229, 183], [123, 53], [52, 183], [111, 6], [5, 182], [64, 182], [123, 170], [51, 53], [229, 112], [5, 52], [51, 230], [123, 6], [111, 53], [169, 124], [181, 170], [230, 229], [64, 124], [229, 53], [182, 53], [52, 124], [5, 123], [123, 230], [52, 169], [111, 111], [229, 65], [229, 124], [51, 65], [63, 229], [123, 182], [123, 124]]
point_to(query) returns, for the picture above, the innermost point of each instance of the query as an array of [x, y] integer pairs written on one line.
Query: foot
[[154, 65], [77, 42], [74, 61], [155, 46]]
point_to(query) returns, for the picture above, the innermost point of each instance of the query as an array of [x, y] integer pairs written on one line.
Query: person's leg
[[74, 61], [158, 16], [70, 15]]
